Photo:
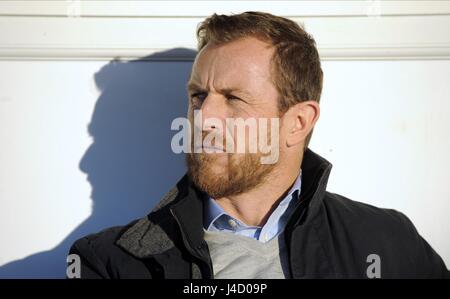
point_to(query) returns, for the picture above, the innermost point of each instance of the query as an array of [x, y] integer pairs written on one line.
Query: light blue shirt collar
[[216, 219]]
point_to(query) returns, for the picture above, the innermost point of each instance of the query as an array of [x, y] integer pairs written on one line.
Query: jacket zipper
[[190, 249]]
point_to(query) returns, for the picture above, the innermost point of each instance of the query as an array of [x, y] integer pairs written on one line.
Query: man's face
[[231, 81]]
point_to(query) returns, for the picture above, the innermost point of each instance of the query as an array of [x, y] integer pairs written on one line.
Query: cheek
[[284, 133], [240, 110], [256, 111], [282, 140]]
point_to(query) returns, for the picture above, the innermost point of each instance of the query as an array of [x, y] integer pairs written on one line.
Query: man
[[232, 216]]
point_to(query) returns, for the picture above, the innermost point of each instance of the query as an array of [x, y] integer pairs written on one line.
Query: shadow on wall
[[130, 164]]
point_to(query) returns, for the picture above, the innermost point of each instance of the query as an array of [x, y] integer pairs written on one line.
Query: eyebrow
[[192, 86]]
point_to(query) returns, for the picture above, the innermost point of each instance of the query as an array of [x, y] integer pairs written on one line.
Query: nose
[[214, 110]]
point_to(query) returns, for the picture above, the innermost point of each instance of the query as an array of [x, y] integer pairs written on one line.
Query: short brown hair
[[296, 70]]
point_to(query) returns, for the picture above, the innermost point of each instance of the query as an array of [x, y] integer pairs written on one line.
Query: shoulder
[[368, 222], [387, 232], [350, 211], [102, 241], [98, 250]]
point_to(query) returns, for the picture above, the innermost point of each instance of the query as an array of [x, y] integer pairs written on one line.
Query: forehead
[[240, 61]]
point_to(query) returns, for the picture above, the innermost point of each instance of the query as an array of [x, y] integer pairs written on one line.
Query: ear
[[300, 120]]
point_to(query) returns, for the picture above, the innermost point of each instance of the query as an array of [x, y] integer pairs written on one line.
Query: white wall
[[85, 141]]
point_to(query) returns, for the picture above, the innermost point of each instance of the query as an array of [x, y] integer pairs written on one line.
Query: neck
[[255, 206]]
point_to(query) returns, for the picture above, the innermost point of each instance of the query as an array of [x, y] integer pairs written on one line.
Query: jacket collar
[[157, 232], [315, 173]]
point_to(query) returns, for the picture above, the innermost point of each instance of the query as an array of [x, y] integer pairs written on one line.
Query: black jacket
[[328, 236]]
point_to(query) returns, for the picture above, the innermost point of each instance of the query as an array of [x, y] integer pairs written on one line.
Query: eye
[[201, 96], [231, 97]]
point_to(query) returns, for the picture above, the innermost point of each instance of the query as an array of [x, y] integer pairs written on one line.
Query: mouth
[[210, 150]]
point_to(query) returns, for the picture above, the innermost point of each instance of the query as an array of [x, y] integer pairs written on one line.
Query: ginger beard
[[227, 174]]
